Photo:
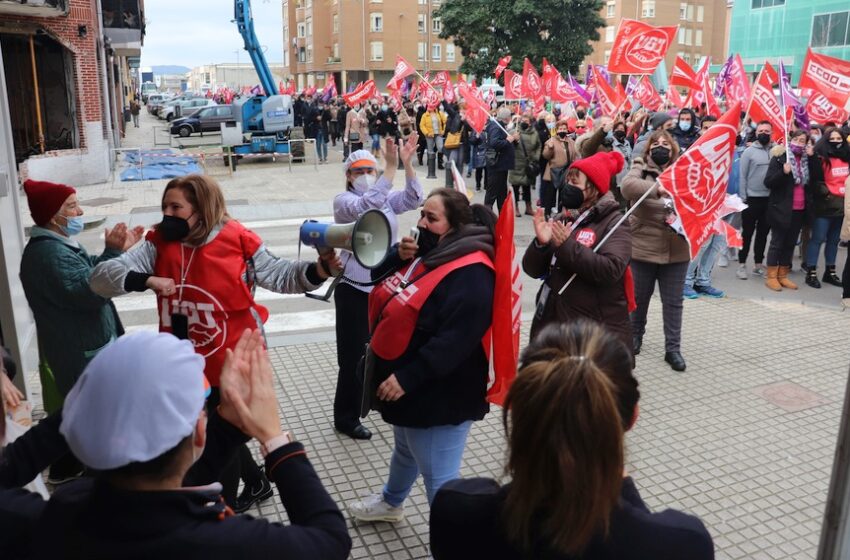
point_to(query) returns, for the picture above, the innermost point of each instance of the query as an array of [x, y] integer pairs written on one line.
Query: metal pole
[[36, 95]]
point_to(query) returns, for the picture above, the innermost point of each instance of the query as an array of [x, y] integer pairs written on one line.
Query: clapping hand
[[390, 153], [552, 232], [120, 238], [560, 233], [408, 148]]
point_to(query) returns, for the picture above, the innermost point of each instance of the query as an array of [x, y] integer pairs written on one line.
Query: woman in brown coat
[[559, 151], [659, 254], [600, 290]]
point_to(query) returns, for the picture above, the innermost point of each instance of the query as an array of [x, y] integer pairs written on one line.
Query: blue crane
[[245, 23]]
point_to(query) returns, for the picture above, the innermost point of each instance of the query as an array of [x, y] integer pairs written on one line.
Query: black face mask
[[660, 155], [620, 135], [428, 240], [523, 126], [835, 146], [562, 135], [580, 114], [764, 139], [572, 197], [173, 228]]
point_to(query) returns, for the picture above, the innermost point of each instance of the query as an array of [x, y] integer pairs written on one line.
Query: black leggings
[[783, 240], [754, 218], [480, 172], [241, 466], [352, 333], [525, 191]]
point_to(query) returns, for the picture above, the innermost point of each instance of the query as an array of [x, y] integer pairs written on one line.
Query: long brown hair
[[565, 416], [207, 200]]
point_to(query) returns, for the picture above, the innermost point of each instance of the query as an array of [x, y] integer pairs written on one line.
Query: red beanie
[[45, 199], [600, 167]]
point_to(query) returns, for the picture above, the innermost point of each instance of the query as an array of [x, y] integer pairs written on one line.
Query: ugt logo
[[645, 50]]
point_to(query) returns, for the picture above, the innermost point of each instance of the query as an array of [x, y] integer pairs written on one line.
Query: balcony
[[36, 8], [124, 25], [334, 60]]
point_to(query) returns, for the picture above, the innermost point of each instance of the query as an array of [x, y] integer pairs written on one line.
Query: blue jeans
[[699, 271], [436, 452], [824, 230], [322, 145], [376, 141]]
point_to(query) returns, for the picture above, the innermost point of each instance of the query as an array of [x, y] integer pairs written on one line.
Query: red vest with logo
[[835, 174], [215, 298], [398, 317]]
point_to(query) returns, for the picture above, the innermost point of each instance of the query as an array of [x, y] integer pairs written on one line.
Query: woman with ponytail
[[565, 418]]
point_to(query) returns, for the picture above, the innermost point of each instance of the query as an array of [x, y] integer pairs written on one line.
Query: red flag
[[441, 79], [513, 85], [674, 98], [822, 111], [476, 112], [830, 76], [449, 92], [362, 93], [610, 100], [428, 95], [646, 95], [705, 95], [564, 92], [733, 236], [500, 67], [532, 87], [402, 70], [639, 47], [683, 75], [280, 88], [737, 84], [697, 180], [507, 309], [330, 87], [550, 79], [764, 106]]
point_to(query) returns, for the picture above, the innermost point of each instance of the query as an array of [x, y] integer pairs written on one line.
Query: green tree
[[486, 30]]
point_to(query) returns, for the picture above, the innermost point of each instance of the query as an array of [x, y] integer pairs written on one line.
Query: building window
[[687, 58], [309, 27], [680, 36], [610, 9], [377, 50], [647, 9], [422, 49], [286, 58], [436, 25], [683, 11], [450, 52], [376, 22], [689, 37], [609, 34], [767, 3], [302, 54], [308, 3], [700, 13], [302, 30], [830, 30], [607, 56], [421, 23], [436, 52], [336, 51], [336, 23], [698, 38], [309, 53]]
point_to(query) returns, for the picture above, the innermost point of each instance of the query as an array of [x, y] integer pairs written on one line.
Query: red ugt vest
[[835, 174], [398, 318], [215, 299]]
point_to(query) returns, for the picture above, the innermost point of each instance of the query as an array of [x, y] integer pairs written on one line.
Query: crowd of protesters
[[183, 412]]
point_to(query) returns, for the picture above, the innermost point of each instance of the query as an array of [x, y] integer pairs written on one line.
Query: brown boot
[[528, 210], [771, 280], [783, 278]]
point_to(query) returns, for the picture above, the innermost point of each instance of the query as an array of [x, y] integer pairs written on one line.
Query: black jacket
[[497, 140], [389, 123], [781, 185], [824, 203], [686, 139], [90, 519], [444, 369], [466, 523]]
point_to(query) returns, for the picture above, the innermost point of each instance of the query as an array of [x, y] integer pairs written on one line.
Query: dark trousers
[[241, 466], [480, 173], [334, 131], [523, 191], [547, 196], [497, 188], [754, 219], [845, 278], [352, 334], [783, 240], [671, 282]]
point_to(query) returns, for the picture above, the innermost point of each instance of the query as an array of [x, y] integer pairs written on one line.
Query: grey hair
[[504, 114]]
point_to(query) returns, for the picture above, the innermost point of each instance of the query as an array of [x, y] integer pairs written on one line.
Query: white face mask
[[363, 183]]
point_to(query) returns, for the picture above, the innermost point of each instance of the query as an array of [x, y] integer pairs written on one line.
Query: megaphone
[[368, 238]]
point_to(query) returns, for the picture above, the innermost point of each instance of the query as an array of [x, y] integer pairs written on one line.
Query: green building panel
[[783, 29]]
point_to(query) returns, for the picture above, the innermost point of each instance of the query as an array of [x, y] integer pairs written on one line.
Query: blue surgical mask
[[73, 227], [384, 108], [685, 126], [550, 125]]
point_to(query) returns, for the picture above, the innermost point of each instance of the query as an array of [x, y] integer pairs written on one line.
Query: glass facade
[[772, 29]]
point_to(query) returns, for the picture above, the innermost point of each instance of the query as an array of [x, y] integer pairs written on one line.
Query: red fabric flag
[[513, 85], [674, 98], [564, 92], [361, 94], [403, 69], [763, 105], [532, 87], [550, 79], [507, 309], [734, 238], [705, 95], [330, 87], [698, 179], [639, 47], [280, 88], [395, 100], [476, 112], [500, 67], [611, 100], [428, 95], [449, 92], [830, 76], [822, 111], [441, 79], [646, 95], [683, 75], [737, 85]]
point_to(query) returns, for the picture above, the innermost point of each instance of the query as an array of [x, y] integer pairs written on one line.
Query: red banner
[[564, 92], [674, 98], [403, 69], [822, 111], [733, 236], [532, 86], [646, 95], [513, 85], [698, 179], [361, 94], [764, 106], [639, 47], [683, 75], [441, 79], [449, 93], [428, 95], [500, 67], [611, 100], [476, 112], [550, 78], [737, 85], [830, 76]]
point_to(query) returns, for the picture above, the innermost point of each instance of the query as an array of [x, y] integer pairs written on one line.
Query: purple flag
[[631, 86], [603, 71], [579, 90], [723, 76], [789, 99]]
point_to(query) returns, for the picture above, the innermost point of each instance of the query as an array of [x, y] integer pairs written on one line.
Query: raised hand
[[390, 153], [133, 236], [116, 237], [408, 148], [542, 228], [560, 233]]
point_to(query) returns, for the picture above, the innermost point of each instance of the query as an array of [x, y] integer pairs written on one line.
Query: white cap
[[360, 159], [138, 398]]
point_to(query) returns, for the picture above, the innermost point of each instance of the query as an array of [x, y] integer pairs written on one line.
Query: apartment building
[[702, 28], [211, 77], [356, 40]]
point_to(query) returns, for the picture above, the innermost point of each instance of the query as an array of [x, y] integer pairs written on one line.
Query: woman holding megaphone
[[203, 266], [364, 191]]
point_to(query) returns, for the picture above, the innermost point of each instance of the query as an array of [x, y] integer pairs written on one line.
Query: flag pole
[[782, 98], [613, 229], [750, 104]]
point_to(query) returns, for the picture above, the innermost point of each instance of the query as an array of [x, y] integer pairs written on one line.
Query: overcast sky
[[195, 32]]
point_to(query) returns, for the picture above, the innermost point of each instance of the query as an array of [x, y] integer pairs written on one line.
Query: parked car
[[156, 100], [179, 107], [206, 119]]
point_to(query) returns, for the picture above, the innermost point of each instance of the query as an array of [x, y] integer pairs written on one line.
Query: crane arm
[[245, 23]]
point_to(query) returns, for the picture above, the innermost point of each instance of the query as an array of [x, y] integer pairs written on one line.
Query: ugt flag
[[829, 76], [476, 112], [822, 111], [532, 86], [683, 75], [513, 85], [639, 47], [698, 179], [362, 93], [403, 69], [500, 67]]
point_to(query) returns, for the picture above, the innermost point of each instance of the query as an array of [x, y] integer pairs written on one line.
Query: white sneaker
[[845, 303], [722, 261], [374, 508], [759, 270], [742, 272]]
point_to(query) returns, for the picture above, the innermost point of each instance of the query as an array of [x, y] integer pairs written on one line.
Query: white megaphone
[[368, 238]]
